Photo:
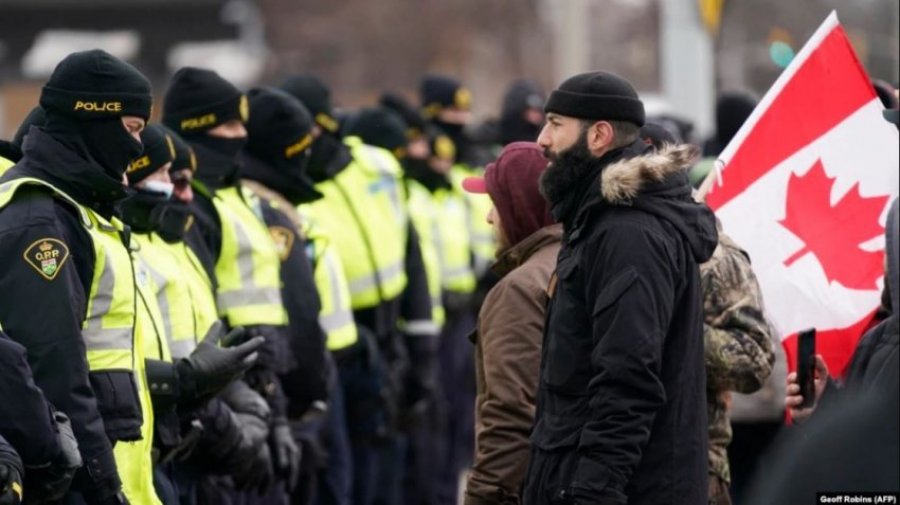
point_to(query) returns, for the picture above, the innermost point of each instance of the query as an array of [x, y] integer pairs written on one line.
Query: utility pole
[[686, 50], [572, 43]]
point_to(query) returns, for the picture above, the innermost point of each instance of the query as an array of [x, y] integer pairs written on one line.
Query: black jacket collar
[[48, 159]]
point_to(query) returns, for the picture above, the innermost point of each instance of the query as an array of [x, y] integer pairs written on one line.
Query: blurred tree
[[362, 47]]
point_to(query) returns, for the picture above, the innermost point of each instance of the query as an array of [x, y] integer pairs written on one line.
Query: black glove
[[222, 445], [10, 475], [285, 453], [256, 473], [244, 400], [51, 481], [211, 368], [275, 354], [98, 480], [254, 428]]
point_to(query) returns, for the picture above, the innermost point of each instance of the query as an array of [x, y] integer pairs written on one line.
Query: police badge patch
[[283, 239], [47, 256]]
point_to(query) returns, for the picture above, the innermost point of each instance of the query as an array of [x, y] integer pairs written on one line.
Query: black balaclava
[[521, 95], [329, 155], [278, 149], [84, 101], [174, 223], [197, 101], [145, 208], [439, 92], [415, 123], [732, 110]]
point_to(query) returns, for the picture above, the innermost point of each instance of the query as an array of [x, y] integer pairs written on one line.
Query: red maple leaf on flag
[[833, 233]]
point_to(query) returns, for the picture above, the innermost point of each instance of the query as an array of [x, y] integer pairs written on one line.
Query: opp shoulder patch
[[47, 256], [283, 239]]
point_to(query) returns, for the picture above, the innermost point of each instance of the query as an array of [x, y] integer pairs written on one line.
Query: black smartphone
[[806, 366]]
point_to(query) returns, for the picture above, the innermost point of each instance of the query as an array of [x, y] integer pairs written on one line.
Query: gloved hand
[[275, 354], [285, 453], [254, 428], [255, 473], [98, 480], [10, 476], [50, 482], [210, 368]]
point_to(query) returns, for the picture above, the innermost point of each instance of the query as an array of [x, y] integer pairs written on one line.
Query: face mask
[[164, 188], [105, 146], [110, 145], [226, 147], [143, 210], [327, 158], [217, 159], [174, 222], [456, 134], [419, 170]]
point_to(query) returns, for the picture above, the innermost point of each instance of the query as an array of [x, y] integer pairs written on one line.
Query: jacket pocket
[[565, 332], [614, 290], [118, 403]]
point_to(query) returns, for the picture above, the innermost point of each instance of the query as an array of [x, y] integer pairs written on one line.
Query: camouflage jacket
[[738, 344]]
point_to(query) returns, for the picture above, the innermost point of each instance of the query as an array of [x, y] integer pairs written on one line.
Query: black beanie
[[199, 100], [158, 150], [597, 96], [184, 153], [656, 135], [315, 96], [439, 92], [732, 110], [280, 127], [381, 127], [96, 85], [415, 124]]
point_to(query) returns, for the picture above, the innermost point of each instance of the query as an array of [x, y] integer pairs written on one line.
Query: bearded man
[[621, 401]]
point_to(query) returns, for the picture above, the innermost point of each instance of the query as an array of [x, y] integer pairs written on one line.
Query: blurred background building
[[679, 53]]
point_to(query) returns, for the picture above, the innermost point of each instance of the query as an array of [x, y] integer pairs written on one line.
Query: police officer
[[66, 259], [381, 127], [363, 210], [275, 162], [209, 113], [467, 247], [182, 375]]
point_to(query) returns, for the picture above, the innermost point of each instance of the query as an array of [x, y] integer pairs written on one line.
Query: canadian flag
[[804, 187]]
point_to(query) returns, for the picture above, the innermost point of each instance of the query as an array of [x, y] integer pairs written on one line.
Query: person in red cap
[[511, 322]]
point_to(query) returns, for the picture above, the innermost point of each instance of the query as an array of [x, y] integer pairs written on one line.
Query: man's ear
[[600, 137]]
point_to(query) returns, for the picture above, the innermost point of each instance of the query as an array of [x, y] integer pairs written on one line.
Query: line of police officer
[[263, 314]]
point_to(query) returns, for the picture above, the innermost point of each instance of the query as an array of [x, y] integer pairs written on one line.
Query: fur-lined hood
[[621, 181], [656, 182]]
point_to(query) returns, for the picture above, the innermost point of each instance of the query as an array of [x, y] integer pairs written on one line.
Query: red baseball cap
[[475, 185]]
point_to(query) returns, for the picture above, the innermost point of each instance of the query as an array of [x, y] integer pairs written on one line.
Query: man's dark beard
[[566, 170]]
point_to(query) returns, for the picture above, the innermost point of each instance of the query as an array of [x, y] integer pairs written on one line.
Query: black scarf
[[150, 211], [420, 171], [287, 177]]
